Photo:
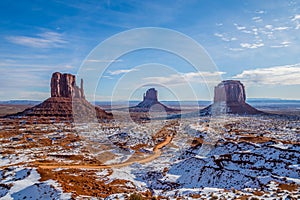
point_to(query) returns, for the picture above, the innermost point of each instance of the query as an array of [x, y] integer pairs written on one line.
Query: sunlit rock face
[[67, 102], [149, 98], [229, 98], [150, 102], [64, 85], [230, 91]]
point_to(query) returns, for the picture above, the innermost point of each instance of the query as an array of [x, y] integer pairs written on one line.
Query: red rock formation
[[151, 95], [150, 100], [67, 102], [230, 91], [230, 97], [64, 85]]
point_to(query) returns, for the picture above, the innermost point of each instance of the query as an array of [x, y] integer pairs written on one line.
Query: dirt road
[[156, 154]]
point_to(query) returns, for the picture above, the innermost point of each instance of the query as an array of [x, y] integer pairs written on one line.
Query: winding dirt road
[[156, 154]]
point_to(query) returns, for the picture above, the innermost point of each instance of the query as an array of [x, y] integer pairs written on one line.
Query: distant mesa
[[149, 99], [150, 102], [230, 97], [67, 102]]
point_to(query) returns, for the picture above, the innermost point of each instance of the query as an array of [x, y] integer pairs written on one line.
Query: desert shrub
[[135, 196]]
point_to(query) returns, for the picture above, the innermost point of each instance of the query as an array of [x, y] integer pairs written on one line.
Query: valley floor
[[228, 157]]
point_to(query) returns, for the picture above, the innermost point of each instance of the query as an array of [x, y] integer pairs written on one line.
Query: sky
[[256, 42]]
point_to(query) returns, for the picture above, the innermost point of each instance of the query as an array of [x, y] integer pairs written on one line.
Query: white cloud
[[281, 28], [260, 12], [257, 19], [246, 31], [277, 75], [44, 40], [108, 77], [296, 17], [122, 71], [236, 49], [226, 39], [269, 26], [296, 20], [104, 61], [285, 43], [218, 35], [251, 46], [282, 44], [184, 78], [238, 27], [255, 31]]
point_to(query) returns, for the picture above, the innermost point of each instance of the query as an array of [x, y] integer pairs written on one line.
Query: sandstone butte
[[230, 98], [67, 102], [150, 102]]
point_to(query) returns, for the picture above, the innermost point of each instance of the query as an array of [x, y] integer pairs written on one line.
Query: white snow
[[125, 174], [25, 184]]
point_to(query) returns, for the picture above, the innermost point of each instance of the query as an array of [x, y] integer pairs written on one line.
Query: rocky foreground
[[229, 158]]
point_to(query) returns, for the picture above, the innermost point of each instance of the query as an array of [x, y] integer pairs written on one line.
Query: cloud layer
[[43, 40], [278, 75], [184, 78]]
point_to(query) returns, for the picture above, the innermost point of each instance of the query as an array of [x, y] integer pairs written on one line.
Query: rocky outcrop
[[150, 101], [149, 98], [230, 91], [151, 95], [64, 85], [67, 102], [229, 98]]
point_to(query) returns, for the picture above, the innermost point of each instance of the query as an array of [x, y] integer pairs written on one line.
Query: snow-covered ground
[[23, 183], [223, 158]]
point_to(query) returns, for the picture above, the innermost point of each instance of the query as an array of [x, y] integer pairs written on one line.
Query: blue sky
[[254, 41]]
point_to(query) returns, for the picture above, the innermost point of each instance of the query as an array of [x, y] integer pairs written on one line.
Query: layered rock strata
[[67, 102], [230, 98], [150, 102]]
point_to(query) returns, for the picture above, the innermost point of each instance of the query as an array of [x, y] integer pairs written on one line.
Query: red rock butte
[[64, 85], [230, 97], [67, 102], [150, 101]]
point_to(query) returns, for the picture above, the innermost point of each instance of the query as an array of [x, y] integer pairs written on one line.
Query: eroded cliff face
[[230, 91], [150, 101], [64, 85], [67, 102], [151, 95], [229, 97]]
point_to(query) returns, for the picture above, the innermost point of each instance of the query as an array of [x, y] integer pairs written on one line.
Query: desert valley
[[67, 148], [150, 100]]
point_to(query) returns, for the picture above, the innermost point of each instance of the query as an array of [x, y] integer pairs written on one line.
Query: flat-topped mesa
[[230, 91], [64, 85], [229, 98]]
